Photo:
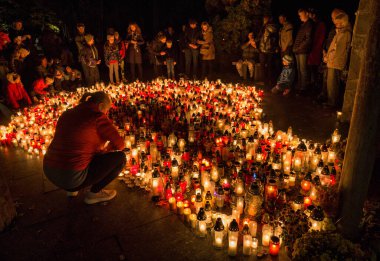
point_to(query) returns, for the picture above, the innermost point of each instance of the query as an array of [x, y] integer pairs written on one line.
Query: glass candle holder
[[232, 245], [274, 246], [218, 234], [247, 245]]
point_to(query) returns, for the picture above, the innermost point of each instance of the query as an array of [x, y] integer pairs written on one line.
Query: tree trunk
[[7, 207], [360, 151]]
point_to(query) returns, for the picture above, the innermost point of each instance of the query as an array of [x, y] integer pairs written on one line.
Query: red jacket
[[80, 134], [16, 93], [39, 86], [315, 56]]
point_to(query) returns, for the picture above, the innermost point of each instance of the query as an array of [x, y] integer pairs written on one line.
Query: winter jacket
[[89, 55], [191, 36], [156, 47], [80, 43], [303, 41], [315, 56], [39, 86], [268, 38], [287, 76], [207, 47], [171, 53], [134, 55], [337, 55], [122, 48], [111, 53], [16, 93], [250, 53], [286, 37], [80, 134]]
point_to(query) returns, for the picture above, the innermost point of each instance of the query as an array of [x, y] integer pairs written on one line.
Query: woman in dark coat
[[134, 56]]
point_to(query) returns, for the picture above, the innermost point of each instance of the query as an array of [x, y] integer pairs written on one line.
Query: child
[[286, 78], [170, 59], [40, 85], [15, 91]]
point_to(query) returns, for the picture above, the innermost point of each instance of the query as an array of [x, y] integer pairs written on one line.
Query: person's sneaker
[[276, 90], [72, 193], [286, 92], [101, 196]]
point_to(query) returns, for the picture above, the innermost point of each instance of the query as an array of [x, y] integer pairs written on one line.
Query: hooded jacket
[[268, 38], [207, 48]]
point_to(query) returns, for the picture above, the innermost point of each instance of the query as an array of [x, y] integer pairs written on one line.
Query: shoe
[[276, 90], [286, 92], [72, 193], [101, 196]]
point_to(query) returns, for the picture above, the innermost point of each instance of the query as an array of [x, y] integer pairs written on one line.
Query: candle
[[240, 205], [274, 246], [172, 203], [297, 203], [201, 223], [232, 246], [255, 243], [266, 234], [306, 202], [180, 208], [187, 212], [218, 233], [193, 220], [247, 245], [253, 228]]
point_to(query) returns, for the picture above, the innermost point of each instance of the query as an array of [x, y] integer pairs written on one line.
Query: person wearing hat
[[286, 78], [90, 61]]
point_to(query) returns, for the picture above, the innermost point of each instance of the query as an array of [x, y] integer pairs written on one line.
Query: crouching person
[[40, 87], [16, 94], [286, 79], [86, 150]]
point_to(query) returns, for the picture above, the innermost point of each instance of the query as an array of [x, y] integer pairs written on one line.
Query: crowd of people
[[314, 61]]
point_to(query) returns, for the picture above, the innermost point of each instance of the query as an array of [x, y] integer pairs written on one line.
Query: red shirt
[[16, 93], [39, 86], [81, 133]]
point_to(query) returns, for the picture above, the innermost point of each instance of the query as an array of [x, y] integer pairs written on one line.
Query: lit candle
[[317, 216], [274, 246], [193, 220], [255, 243], [180, 208], [240, 205], [297, 203], [253, 228], [306, 202], [247, 245], [266, 234], [297, 164], [201, 223], [172, 203], [232, 246], [187, 212], [218, 233]]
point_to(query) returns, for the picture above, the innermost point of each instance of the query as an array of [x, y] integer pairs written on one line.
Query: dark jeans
[[333, 86], [132, 67], [170, 68], [207, 68], [102, 170], [267, 65], [191, 55], [303, 76]]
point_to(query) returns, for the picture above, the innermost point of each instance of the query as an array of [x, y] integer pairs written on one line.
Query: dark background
[[155, 15]]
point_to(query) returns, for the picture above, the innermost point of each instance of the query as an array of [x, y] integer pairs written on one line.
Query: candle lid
[[299, 199], [219, 225], [307, 176], [317, 180], [254, 189], [201, 215], [325, 171], [207, 206], [234, 226], [317, 214], [275, 240], [245, 230], [198, 197], [302, 147]]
